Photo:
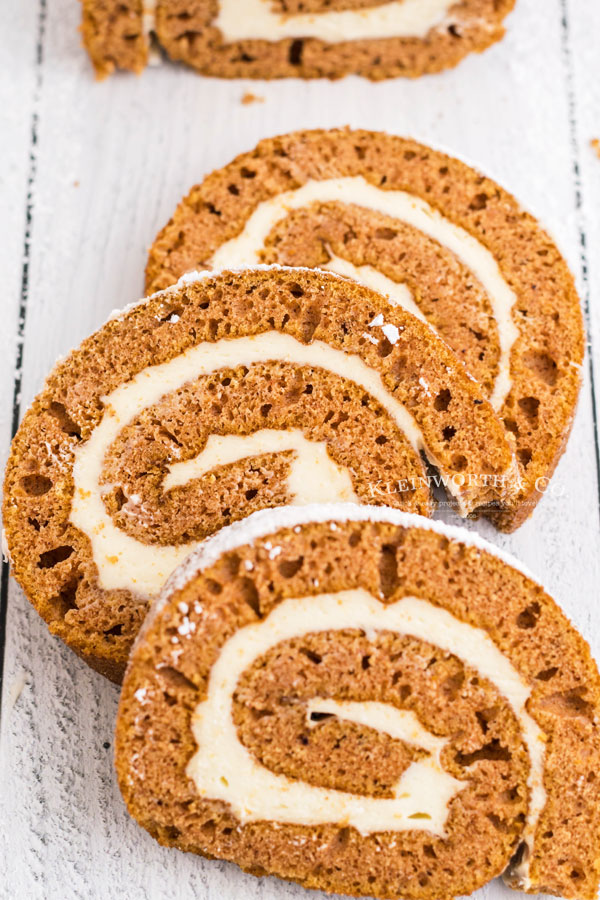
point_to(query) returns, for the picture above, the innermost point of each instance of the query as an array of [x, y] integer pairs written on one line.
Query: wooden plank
[[17, 168], [19, 100], [112, 161], [21, 31], [581, 22]]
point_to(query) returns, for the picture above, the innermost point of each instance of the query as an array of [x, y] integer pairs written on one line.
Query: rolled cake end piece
[[276, 38], [115, 35], [367, 703]]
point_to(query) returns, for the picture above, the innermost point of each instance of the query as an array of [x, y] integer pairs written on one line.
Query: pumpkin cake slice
[[430, 232], [368, 703], [299, 38], [216, 398]]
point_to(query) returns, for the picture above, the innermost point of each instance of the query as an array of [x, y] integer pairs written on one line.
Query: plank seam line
[[24, 292], [580, 219]]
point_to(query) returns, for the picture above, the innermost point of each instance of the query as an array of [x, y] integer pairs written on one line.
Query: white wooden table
[[88, 173]]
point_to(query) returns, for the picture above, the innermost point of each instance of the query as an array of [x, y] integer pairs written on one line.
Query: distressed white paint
[[113, 159]]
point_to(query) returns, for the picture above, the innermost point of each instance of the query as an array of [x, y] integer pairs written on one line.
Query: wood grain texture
[[110, 161], [580, 21]]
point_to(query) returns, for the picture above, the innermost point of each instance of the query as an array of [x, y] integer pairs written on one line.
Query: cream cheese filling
[[314, 477], [256, 20], [223, 769], [148, 18], [246, 248], [121, 560], [398, 294]]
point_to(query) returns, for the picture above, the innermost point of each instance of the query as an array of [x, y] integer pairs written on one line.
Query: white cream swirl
[[125, 562], [223, 769], [245, 250], [256, 20]]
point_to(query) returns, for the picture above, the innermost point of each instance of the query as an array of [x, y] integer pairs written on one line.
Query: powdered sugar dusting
[[197, 275], [391, 332], [424, 384], [266, 522]]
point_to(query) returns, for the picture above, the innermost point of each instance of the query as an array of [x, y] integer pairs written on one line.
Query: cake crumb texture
[[113, 35]]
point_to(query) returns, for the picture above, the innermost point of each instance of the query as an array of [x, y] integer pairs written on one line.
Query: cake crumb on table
[[249, 98]]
